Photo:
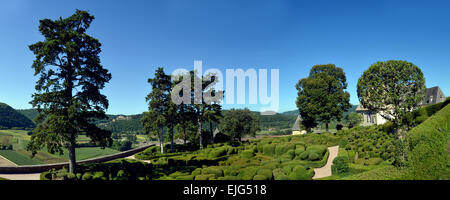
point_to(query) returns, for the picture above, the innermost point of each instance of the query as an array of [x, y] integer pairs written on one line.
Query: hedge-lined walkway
[[326, 170]]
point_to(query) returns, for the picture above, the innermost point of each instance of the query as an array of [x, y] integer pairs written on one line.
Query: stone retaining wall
[[45, 167]]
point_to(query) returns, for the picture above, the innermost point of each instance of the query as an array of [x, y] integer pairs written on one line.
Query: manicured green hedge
[[427, 156]]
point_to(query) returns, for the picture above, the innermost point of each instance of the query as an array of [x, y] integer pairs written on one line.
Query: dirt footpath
[[326, 170], [5, 162], [21, 176]]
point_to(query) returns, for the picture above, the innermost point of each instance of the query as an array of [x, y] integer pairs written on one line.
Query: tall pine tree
[[68, 96]]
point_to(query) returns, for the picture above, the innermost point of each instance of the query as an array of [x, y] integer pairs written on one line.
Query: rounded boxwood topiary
[[313, 156], [87, 176], [304, 155], [340, 165], [260, 177]]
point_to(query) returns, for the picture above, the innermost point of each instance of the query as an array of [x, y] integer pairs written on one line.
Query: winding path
[[326, 170]]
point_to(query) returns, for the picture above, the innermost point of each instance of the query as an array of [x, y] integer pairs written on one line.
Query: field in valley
[[20, 156]]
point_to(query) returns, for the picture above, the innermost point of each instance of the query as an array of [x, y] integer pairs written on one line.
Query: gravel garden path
[[326, 170], [21, 176]]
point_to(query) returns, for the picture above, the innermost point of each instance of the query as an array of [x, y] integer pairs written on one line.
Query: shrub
[[229, 178], [427, 154], [313, 156], [279, 174], [299, 151], [269, 149], [247, 154], [374, 161], [203, 177], [185, 178], [265, 172], [247, 172], [340, 165], [99, 176], [87, 176], [319, 149], [217, 171], [217, 152], [299, 172], [260, 177], [351, 156], [289, 154], [196, 172], [283, 148], [304, 155]]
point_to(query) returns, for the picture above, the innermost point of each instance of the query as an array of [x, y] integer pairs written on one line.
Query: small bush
[[300, 173], [203, 177], [99, 176], [247, 154], [279, 174], [304, 155], [217, 171], [260, 177], [265, 172], [87, 176], [269, 149], [185, 178], [313, 156], [340, 165], [374, 161]]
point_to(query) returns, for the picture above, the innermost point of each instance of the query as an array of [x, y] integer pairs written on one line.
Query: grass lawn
[[21, 156], [3, 179], [87, 152], [18, 158]]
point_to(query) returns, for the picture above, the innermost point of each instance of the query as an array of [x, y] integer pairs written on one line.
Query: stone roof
[[296, 126], [435, 92]]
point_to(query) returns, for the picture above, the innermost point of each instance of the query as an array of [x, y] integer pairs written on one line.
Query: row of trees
[[199, 105]]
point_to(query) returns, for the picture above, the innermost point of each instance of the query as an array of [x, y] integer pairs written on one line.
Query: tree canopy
[[68, 96], [238, 123], [393, 88], [322, 96]]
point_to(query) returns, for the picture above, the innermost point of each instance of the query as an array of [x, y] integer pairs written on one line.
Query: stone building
[[432, 96]]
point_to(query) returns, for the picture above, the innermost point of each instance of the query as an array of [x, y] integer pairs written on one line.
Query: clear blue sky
[[292, 36]]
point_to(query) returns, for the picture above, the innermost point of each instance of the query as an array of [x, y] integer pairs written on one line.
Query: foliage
[[353, 119], [68, 90], [340, 165], [237, 123], [392, 88], [121, 145], [427, 147], [321, 96]]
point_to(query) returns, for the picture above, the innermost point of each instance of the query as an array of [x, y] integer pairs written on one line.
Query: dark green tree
[[237, 123], [393, 88], [68, 96], [322, 96], [159, 107], [353, 119], [202, 97]]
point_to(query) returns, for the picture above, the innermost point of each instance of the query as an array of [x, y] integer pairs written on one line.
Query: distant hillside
[[29, 113], [10, 118]]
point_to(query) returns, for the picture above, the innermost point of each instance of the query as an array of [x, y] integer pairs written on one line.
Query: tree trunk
[[211, 132], [326, 127], [72, 158], [161, 140], [171, 137], [184, 135], [199, 121]]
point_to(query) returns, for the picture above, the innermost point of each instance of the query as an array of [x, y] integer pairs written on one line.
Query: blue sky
[[291, 36]]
